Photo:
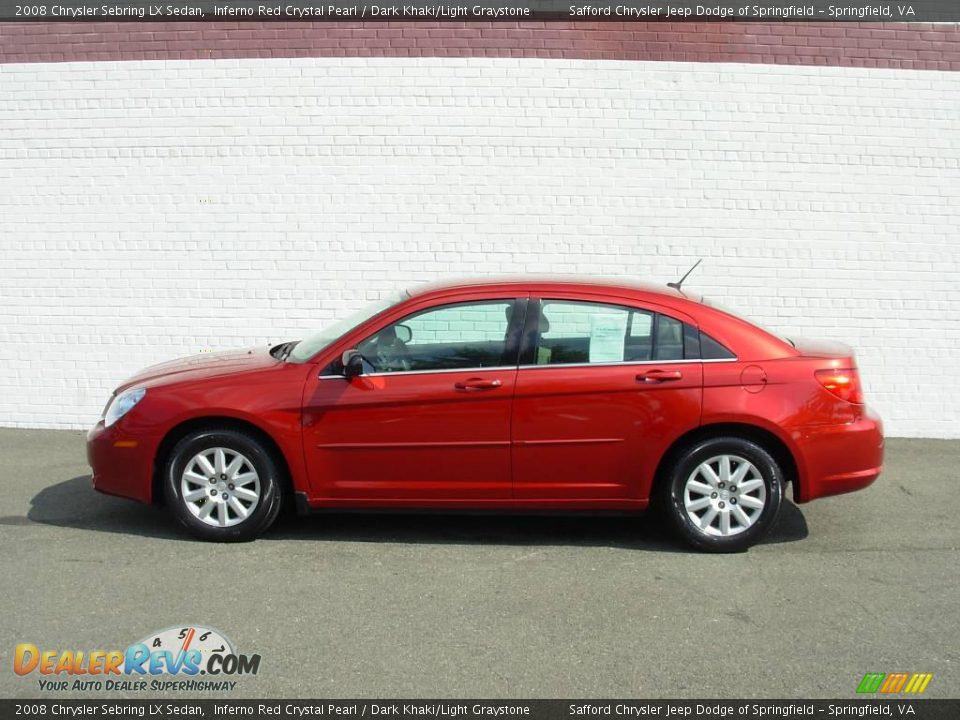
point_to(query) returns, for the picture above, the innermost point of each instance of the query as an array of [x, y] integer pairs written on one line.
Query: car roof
[[546, 282]]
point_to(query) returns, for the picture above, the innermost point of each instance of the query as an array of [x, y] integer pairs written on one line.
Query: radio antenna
[[676, 285]]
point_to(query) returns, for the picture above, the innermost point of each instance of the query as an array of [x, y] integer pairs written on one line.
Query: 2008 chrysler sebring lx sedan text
[[500, 394]]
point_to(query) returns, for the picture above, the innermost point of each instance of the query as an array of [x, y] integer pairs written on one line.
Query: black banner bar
[[482, 10], [907, 708]]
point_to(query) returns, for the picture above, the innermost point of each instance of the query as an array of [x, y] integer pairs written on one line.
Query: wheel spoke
[[741, 516], [206, 510], [751, 502], [741, 472], [725, 522], [725, 468], [707, 518], [708, 474], [220, 461], [244, 479], [194, 495], [750, 485], [193, 477], [222, 514], [238, 507], [245, 494], [699, 487], [205, 465], [234, 467], [698, 504]]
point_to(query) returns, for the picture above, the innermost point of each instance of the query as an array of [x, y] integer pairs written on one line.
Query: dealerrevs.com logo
[[183, 652]]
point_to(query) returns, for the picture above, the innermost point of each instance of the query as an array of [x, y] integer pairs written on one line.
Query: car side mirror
[[404, 333], [352, 362]]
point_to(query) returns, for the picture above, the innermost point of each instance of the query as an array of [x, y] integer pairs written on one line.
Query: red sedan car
[[500, 394]]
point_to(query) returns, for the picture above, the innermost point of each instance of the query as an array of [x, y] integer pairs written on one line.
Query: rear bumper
[[838, 459], [122, 465]]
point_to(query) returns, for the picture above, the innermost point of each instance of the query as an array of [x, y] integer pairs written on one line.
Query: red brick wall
[[887, 45]]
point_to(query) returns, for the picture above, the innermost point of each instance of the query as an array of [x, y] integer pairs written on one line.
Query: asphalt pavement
[[354, 605]]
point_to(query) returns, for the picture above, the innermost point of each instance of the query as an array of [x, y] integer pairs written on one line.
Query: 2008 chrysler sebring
[[500, 394]]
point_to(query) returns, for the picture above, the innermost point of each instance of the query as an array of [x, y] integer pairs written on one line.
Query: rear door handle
[[659, 376], [477, 384]]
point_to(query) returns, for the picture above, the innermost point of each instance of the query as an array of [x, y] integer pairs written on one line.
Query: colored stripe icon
[[894, 683]]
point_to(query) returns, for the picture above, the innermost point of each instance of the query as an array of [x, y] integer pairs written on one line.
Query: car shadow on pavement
[[73, 503], [640, 532]]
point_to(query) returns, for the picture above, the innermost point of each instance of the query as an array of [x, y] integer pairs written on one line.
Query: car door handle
[[477, 384], [659, 376]]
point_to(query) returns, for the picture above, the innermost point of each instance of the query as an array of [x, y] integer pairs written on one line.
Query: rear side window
[[669, 344], [566, 332]]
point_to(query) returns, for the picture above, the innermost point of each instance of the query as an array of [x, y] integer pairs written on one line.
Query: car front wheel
[[724, 494], [223, 485]]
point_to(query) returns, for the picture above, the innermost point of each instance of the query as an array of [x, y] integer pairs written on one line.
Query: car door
[[602, 390], [429, 420]]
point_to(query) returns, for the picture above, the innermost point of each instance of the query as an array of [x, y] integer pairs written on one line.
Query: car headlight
[[122, 404]]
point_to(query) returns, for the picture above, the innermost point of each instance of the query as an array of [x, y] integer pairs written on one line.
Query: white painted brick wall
[[149, 210]]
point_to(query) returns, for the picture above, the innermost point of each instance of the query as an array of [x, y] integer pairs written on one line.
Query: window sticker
[[607, 335]]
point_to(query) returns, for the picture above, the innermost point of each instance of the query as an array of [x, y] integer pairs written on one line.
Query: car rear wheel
[[223, 485], [724, 494]]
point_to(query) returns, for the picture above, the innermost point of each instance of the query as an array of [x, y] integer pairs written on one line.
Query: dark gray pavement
[[362, 605]]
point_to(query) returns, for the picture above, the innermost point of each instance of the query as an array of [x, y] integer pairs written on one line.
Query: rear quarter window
[[710, 349]]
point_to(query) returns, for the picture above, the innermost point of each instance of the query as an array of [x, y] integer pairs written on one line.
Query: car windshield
[[306, 349]]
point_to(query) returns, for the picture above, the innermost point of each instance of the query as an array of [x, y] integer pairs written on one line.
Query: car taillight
[[844, 383]]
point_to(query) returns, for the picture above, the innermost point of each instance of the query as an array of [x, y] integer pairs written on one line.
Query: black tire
[[743, 535], [262, 514]]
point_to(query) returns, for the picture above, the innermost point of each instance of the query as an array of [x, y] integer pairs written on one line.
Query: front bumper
[[839, 459], [122, 465]]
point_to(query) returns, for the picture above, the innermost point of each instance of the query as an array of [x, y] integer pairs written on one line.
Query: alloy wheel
[[724, 495], [220, 486]]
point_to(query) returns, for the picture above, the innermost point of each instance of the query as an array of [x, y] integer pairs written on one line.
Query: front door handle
[[477, 384], [659, 376]]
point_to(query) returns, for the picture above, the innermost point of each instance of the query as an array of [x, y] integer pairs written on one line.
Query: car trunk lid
[[823, 349]]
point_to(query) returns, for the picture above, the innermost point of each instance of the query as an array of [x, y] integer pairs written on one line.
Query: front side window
[[452, 337], [573, 332]]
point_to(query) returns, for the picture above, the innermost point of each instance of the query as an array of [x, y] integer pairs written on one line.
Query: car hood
[[201, 366]]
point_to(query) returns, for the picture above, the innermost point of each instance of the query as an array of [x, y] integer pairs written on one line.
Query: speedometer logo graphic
[[181, 639]]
